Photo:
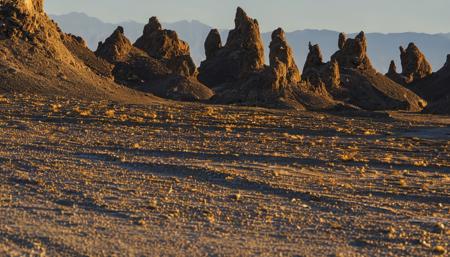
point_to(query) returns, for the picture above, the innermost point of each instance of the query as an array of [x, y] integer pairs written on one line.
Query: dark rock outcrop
[[393, 75], [350, 77], [164, 45], [243, 53], [352, 53], [115, 48], [213, 43], [435, 88], [318, 73], [134, 68], [282, 59], [250, 82], [415, 65], [342, 40]]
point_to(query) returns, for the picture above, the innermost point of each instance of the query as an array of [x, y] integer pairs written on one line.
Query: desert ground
[[82, 178]]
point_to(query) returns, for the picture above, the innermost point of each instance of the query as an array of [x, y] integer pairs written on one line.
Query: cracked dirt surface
[[102, 179]]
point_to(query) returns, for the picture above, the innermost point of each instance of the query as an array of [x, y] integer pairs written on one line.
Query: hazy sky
[[430, 16]]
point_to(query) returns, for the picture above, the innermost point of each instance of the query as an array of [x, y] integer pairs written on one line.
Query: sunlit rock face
[[30, 6], [281, 52], [115, 48], [165, 45], [242, 55], [136, 68], [350, 77]]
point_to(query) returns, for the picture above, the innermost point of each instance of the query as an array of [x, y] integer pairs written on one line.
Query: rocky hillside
[[37, 57]]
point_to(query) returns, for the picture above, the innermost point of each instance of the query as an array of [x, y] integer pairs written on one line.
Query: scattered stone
[[440, 250]]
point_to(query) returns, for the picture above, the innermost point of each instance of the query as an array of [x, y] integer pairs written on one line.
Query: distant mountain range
[[382, 47]]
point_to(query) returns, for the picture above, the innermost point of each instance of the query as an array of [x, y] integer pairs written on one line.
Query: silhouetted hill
[[382, 47]]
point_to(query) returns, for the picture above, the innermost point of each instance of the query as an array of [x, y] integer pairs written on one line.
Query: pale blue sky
[[431, 16]]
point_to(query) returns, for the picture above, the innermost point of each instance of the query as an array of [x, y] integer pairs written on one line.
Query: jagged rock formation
[[435, 88], [392, 73], [350, 77], [238, 74], [115, 48], [318, 73], [281, 54], [37, 57], [414, 64], [342, 41], [213, 43], [242, 54], [164, 45], [352, 53], [134, 67]]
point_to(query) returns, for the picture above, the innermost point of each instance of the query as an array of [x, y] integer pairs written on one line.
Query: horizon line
[[262, 32]]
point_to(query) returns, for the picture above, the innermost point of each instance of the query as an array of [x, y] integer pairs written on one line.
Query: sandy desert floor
[[102, 179]]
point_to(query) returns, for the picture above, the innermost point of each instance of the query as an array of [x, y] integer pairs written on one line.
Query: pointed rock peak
[[282, 62], [392, 68], [279, 48], [246, 38], [313, 62], [315, 57], [240, 12], [152, 25], [119, 30], [279, 33], [241, 16], [342, 40], [115, 48], [282, 52], [447, 63], [213, 43], [164, 45], [414, 63], [361, 36], [353, 53], [412, 46], [242, 19]]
